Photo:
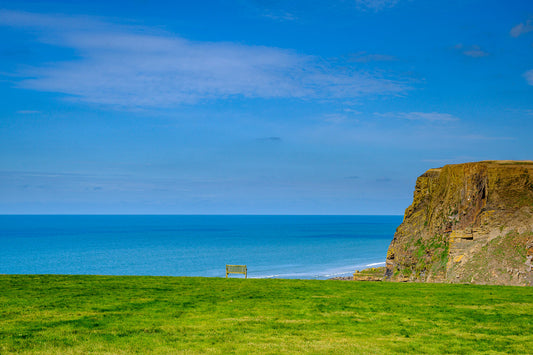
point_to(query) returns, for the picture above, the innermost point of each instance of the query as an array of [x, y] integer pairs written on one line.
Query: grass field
[[100, 314]]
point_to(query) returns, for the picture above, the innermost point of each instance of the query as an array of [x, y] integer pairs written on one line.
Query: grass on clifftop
[[99, 314]]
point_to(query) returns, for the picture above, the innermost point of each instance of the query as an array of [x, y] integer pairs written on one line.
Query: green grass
[[99, 314]]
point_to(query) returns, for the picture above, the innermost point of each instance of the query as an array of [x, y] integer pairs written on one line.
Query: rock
[[370, 274], [341, 278], [468, 223]]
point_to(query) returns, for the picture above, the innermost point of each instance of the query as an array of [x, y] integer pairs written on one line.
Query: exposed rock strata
[[470, 223]]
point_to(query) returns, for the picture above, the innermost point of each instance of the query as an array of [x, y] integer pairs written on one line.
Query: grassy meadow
[[56, 314]]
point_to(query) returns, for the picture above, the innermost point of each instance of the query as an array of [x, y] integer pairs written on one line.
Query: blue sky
[[254, 107]]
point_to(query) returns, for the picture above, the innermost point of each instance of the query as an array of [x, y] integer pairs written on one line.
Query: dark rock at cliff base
[[468, 223]]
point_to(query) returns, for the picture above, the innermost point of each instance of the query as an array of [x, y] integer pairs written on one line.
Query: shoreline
[[346, 276]]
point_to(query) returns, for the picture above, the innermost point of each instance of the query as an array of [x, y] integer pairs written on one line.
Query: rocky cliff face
[[470, 223]]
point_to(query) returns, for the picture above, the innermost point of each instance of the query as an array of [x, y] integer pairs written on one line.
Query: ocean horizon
[[272, 246]]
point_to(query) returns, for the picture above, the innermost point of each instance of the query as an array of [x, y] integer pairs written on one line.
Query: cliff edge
[[470, 223]]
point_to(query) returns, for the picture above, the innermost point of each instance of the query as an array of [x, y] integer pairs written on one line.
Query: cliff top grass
[[498, 162], [53, 314], [488, 163], [372, 271]]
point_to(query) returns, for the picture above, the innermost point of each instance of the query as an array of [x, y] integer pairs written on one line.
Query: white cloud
[[522, 28], [136, 67], [420, 116], [529, 76]]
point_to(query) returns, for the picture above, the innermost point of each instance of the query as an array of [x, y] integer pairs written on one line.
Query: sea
[[306, 247]]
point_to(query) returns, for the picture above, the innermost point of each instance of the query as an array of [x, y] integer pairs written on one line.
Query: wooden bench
[[237, 269]]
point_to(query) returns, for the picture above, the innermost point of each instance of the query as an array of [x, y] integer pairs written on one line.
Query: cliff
[[469, 223]]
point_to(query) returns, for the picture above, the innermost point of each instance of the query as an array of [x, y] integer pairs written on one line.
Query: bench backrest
[[236, 269]]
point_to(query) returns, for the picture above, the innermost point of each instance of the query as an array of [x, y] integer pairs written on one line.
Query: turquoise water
[[271, 246]]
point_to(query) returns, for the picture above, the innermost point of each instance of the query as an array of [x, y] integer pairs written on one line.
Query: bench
[[236, 269]]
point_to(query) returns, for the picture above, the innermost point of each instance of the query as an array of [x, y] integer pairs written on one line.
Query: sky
[[254, 106]]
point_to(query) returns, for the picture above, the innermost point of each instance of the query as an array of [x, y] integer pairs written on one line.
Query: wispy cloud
[[376, 5], [279, 16], [139, 67], [274, 10], [420, 116], [28, 112], [473, 51], [352, 111], [522, 28], [430, 116], [528, 112], [384, 179], [482, 137], [290, 10], [529, 76], [347, 115], [335, 117], [364, 57], [272, 139]]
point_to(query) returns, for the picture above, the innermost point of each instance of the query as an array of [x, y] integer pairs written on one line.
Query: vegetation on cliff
[[469, 222], [369, 274]]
